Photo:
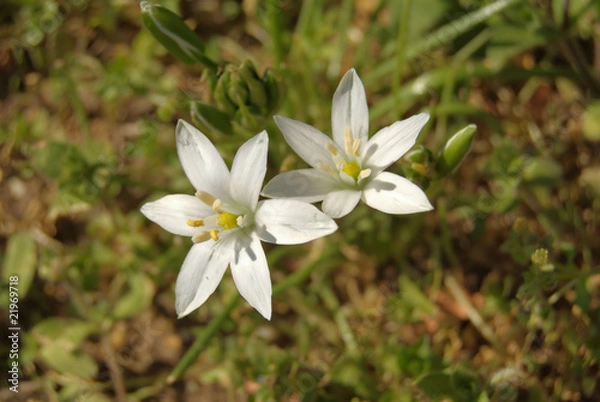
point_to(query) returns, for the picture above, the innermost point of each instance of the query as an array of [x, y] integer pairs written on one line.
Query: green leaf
[[591, 122], [413, 295], [77, 363], [20, 261], [137, 299], [442, 36], [69, 333], [508, 41], [169, 29], [457, 386], [542, 171], [436, 385]]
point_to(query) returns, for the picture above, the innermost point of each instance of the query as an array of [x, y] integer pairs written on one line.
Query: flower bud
[[274, 89], [220, 93], [169, 29], [419, 154], [237, 90], [244, 96], [455, 150], [258, 95]]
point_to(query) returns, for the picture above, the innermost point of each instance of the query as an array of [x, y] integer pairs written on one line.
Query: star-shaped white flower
[[226, 221], [351, 166]]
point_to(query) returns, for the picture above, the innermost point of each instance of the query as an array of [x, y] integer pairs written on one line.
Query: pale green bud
[[455, 150]]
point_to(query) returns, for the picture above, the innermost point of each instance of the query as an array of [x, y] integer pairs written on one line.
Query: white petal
[[172, 212], [391, 142], [308, 142], [251, 274], [202, 271], [248, 170], [350, 109], [394, 194], [201, 161], [291, 222], [340, 203], [308, 185]]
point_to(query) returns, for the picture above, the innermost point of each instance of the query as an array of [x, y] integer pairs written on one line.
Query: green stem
[[202, 341], [345, 330], [401, 53], [308, 14], [346, 13], [304, 273], [274, 12], [77, 104], [460, 58]]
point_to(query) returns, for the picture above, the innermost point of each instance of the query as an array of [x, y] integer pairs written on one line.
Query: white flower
[[351, 166], [227, 222]]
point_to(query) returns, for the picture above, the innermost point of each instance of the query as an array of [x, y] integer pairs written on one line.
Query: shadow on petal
[[265, 235], [244, 244], [372, 148], [379, 185]]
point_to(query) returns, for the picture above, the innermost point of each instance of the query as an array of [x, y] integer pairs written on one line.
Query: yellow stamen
[[352, 169], [195, 223], [228, 220], [240, 221], [348, 140], [206, 198], [364, 174], [331, 148], [326, 168], [216, 206], [213, 234], [201, 237], [356, 147], [419, 167]]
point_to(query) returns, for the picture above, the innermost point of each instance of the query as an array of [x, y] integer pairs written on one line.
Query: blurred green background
[[493, 296]]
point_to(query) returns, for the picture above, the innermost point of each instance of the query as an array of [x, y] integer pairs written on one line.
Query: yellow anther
[[213, 234], [356, 147], [206, 198], [216, 206], [195, 223], [326, 168], [240, 221], [228, 220], [331, 148], [352, 169], [419, 167], [201, 237], [364, 174], [348, 140]]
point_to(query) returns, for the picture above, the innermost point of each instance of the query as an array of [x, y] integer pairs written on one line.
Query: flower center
[[228, 220], [352, 169], [224, 220], [348, 163]]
